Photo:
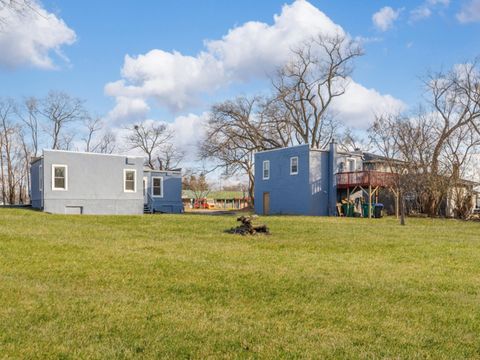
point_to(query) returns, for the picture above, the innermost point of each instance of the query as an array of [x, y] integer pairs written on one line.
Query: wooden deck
[[365, 179]]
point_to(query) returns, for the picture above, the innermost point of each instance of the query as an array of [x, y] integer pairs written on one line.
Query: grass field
[[178, 287]]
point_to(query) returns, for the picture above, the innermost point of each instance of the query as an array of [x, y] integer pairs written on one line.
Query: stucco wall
[[318, 183], [95, 183], [35, 190], [171, 201], [289, 194]]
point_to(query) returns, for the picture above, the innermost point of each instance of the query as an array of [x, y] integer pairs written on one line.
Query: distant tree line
[[60, 121]]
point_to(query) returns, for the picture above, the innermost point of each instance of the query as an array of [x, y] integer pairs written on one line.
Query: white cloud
[[128, 110], [438, 2], [384, 18], [419, 13], [29, 37], [425, 10], [189, 130], [247, 52], [176, 81], [470, 12], [358, 106]]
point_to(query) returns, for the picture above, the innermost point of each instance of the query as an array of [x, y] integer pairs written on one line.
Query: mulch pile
[[248, 228]]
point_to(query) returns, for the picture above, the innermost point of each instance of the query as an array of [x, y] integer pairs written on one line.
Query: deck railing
[[365, 178]]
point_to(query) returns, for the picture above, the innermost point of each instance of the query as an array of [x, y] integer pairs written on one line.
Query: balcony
[[375, 179]]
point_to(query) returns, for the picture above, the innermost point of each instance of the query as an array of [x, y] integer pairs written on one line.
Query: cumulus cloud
[[175, 80], [29, 36], [470, 12], [384, 18], [359, 105], [128, 110], [247, 52]]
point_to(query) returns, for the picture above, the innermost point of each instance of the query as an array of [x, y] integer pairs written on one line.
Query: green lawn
[[176, 286]]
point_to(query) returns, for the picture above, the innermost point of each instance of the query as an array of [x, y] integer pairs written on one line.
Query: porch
[[369, 183]]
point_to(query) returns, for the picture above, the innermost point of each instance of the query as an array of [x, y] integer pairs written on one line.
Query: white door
[[145, 190]]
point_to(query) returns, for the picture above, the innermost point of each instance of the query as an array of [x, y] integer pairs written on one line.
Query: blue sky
[[106, 31]]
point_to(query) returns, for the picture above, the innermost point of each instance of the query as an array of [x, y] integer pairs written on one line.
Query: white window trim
[[134, 180], [354, 164], [291, 161], [161, 186], [263, 169], [53, 177]]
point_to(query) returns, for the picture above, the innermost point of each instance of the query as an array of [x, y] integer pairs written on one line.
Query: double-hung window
[[266, 170], [157, 186], [294, 165], [59, 177], [129, 180]]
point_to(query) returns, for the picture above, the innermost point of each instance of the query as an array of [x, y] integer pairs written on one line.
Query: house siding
[[289, 194], [171, 201], [35, 192], [312, 192], [95, 183]]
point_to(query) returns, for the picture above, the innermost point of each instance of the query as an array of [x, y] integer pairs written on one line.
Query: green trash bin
[[348, 209], [345, 209], [351, 210], [365, 210]]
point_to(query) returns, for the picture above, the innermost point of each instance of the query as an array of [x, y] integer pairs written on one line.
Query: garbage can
[[378, 211], [365, 210], [345, 209]]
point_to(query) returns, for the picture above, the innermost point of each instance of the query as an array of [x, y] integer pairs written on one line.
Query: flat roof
[[93, 153], [176, 171]]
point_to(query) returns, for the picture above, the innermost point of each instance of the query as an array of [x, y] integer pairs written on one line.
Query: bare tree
[[93, 125], [307, 85], [455, 100], [150, 138], [236, 130], [198, 185], [15, 8], [60, 109], [14, 155], [107, 143], [351, 142], [169, 157], [29, 114]]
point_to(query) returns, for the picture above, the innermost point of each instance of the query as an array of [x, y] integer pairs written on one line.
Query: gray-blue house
[[301, 180], [67, 182]]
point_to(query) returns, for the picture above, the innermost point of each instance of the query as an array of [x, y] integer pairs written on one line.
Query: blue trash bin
[[378, 211]]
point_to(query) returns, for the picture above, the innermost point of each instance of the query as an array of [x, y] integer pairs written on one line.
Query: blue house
[[68, 182], [304, 181]]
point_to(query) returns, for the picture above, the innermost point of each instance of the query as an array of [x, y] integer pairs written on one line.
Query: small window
[[129, 177], [266, 170], [294, 165], [59, 177], [157, 187], [351, 164]]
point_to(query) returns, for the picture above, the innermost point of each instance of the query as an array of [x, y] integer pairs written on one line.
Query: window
[[351, 164], [157, 186], [59, 177], [266, 170], [294, 165], [129, 177], [40, 178]]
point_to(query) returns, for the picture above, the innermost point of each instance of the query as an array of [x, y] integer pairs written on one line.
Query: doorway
[[266, 203]]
